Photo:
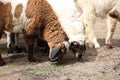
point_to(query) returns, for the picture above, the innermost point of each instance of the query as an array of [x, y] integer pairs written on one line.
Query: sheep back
[[45, 22]]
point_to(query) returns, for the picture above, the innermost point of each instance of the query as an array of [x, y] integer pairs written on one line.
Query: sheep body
[[36, 19], [99, 8]]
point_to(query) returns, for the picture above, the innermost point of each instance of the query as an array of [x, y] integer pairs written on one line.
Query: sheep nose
[[78, 56], [54, 53]]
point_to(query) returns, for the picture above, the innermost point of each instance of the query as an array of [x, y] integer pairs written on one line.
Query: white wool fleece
[[69, 17]]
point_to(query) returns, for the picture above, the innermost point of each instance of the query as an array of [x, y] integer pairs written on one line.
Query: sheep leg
[[88, 24], [9, 44], [43, 46], [1, 61], [17, 48], [30, 37], [111, 25], [30, 44]]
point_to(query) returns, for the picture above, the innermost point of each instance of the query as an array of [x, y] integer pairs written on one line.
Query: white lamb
[[99, 8]]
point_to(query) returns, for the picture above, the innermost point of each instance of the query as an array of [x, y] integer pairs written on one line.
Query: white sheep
[[69, 17], [99, 8]]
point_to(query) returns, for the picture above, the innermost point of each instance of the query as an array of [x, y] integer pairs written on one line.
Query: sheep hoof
[[108, 46], [19, 50], [11, 55], [9, 50], [97, 45], [32, 60], [2, 63]]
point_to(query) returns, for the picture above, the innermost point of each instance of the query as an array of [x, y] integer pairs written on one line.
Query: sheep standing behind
[[99, 8]]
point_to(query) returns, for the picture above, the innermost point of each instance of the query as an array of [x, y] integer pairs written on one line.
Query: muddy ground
[[96, 64]]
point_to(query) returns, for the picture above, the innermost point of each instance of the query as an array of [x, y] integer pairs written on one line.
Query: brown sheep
[[37, 20], [44, 25]]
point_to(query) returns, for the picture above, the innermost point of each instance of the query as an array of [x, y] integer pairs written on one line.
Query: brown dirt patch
[[96, 64]]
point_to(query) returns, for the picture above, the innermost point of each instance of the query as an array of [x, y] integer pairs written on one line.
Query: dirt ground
[[96, 64]]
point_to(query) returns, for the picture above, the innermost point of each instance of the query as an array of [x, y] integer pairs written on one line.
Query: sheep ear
[[54, 52]]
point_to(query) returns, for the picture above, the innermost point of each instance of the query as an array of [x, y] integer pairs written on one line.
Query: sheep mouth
[[78, 56], [79, 52], [77, 49], [54, 54]]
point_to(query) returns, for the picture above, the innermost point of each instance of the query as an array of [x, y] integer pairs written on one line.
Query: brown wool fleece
[[44, 23], [2, 19], [8, 16]]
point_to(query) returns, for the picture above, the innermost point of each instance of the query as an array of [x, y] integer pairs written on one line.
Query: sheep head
[[77, 49], [57, 52]]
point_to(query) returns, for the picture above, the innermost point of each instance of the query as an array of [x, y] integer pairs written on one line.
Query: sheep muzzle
[[77, 49], [57, 53], [53, 55]]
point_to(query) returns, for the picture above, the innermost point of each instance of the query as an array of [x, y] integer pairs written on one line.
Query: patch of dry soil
[[96, 64]]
